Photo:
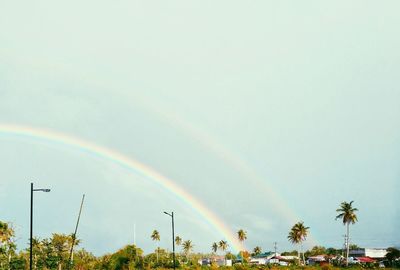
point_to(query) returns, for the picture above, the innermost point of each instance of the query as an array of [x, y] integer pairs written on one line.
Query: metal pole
[[31, 229], [173, 239], [74, 235]]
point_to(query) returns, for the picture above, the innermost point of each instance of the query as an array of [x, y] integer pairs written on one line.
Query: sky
[[266, 112]]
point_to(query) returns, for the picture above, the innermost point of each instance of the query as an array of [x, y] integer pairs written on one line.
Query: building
[[262, 258], [218, 260], [317, 260], [374, 253]]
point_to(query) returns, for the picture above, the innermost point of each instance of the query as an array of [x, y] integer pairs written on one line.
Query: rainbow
[[130, 164], [229, 157], [204, 138]]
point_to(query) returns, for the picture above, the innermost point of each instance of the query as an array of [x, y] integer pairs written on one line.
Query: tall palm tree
[[294, 239], [223, 245], [297, 235], [242, 235], [257, 250], [155, 236], [187, 247], [178, 240], [348, 216], [214, 247]]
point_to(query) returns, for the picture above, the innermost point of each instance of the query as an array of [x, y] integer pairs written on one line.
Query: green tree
[[223, 245], [7, 245], [316, 250], [38, 253], [354, 246], [18, 262], [61, 244], [187, 247], [214, 247], [103, 263], [348, 216], [6, 232], [333, 251], [155, 236], [392, 254], [129, 257], [242, 235], [297, 235], [257, 250], [178, 240], [290, 253], [230, 256], [84, 260]]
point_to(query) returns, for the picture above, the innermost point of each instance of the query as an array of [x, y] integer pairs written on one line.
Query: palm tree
[[214, 247], [223, 245], [257, 250], [155, 236], [348, 215], [178, 240], [242, 235], [294, 239], [297, 235], [187, 247]]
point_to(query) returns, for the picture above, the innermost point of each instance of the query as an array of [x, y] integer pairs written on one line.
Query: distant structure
[[218, 260], [270, 258], [375, 253], [263, 258]]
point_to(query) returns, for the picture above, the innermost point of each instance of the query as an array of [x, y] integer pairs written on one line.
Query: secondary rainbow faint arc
[[211, 143], [130, 163]]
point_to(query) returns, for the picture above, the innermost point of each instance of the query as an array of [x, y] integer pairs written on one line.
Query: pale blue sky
[[306, 93]]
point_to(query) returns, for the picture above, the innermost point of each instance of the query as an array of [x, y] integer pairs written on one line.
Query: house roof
[[284, 258], [263, 255], [317, 258], [365, 260]]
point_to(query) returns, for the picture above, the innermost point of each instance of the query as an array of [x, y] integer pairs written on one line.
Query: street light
[[30, 240], [173, 235]]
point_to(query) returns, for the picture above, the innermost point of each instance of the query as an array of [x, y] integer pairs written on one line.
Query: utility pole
[[31, 224], [31, 231], [276, 248], [173, 236], [71, 253]]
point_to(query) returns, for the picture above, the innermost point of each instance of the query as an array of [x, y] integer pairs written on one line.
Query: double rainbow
[[130, 164]]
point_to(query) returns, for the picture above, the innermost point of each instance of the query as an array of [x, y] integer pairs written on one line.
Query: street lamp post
[[31, 223], [173, 235]]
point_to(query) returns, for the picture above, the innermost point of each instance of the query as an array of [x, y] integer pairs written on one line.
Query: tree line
[[53, 252]]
